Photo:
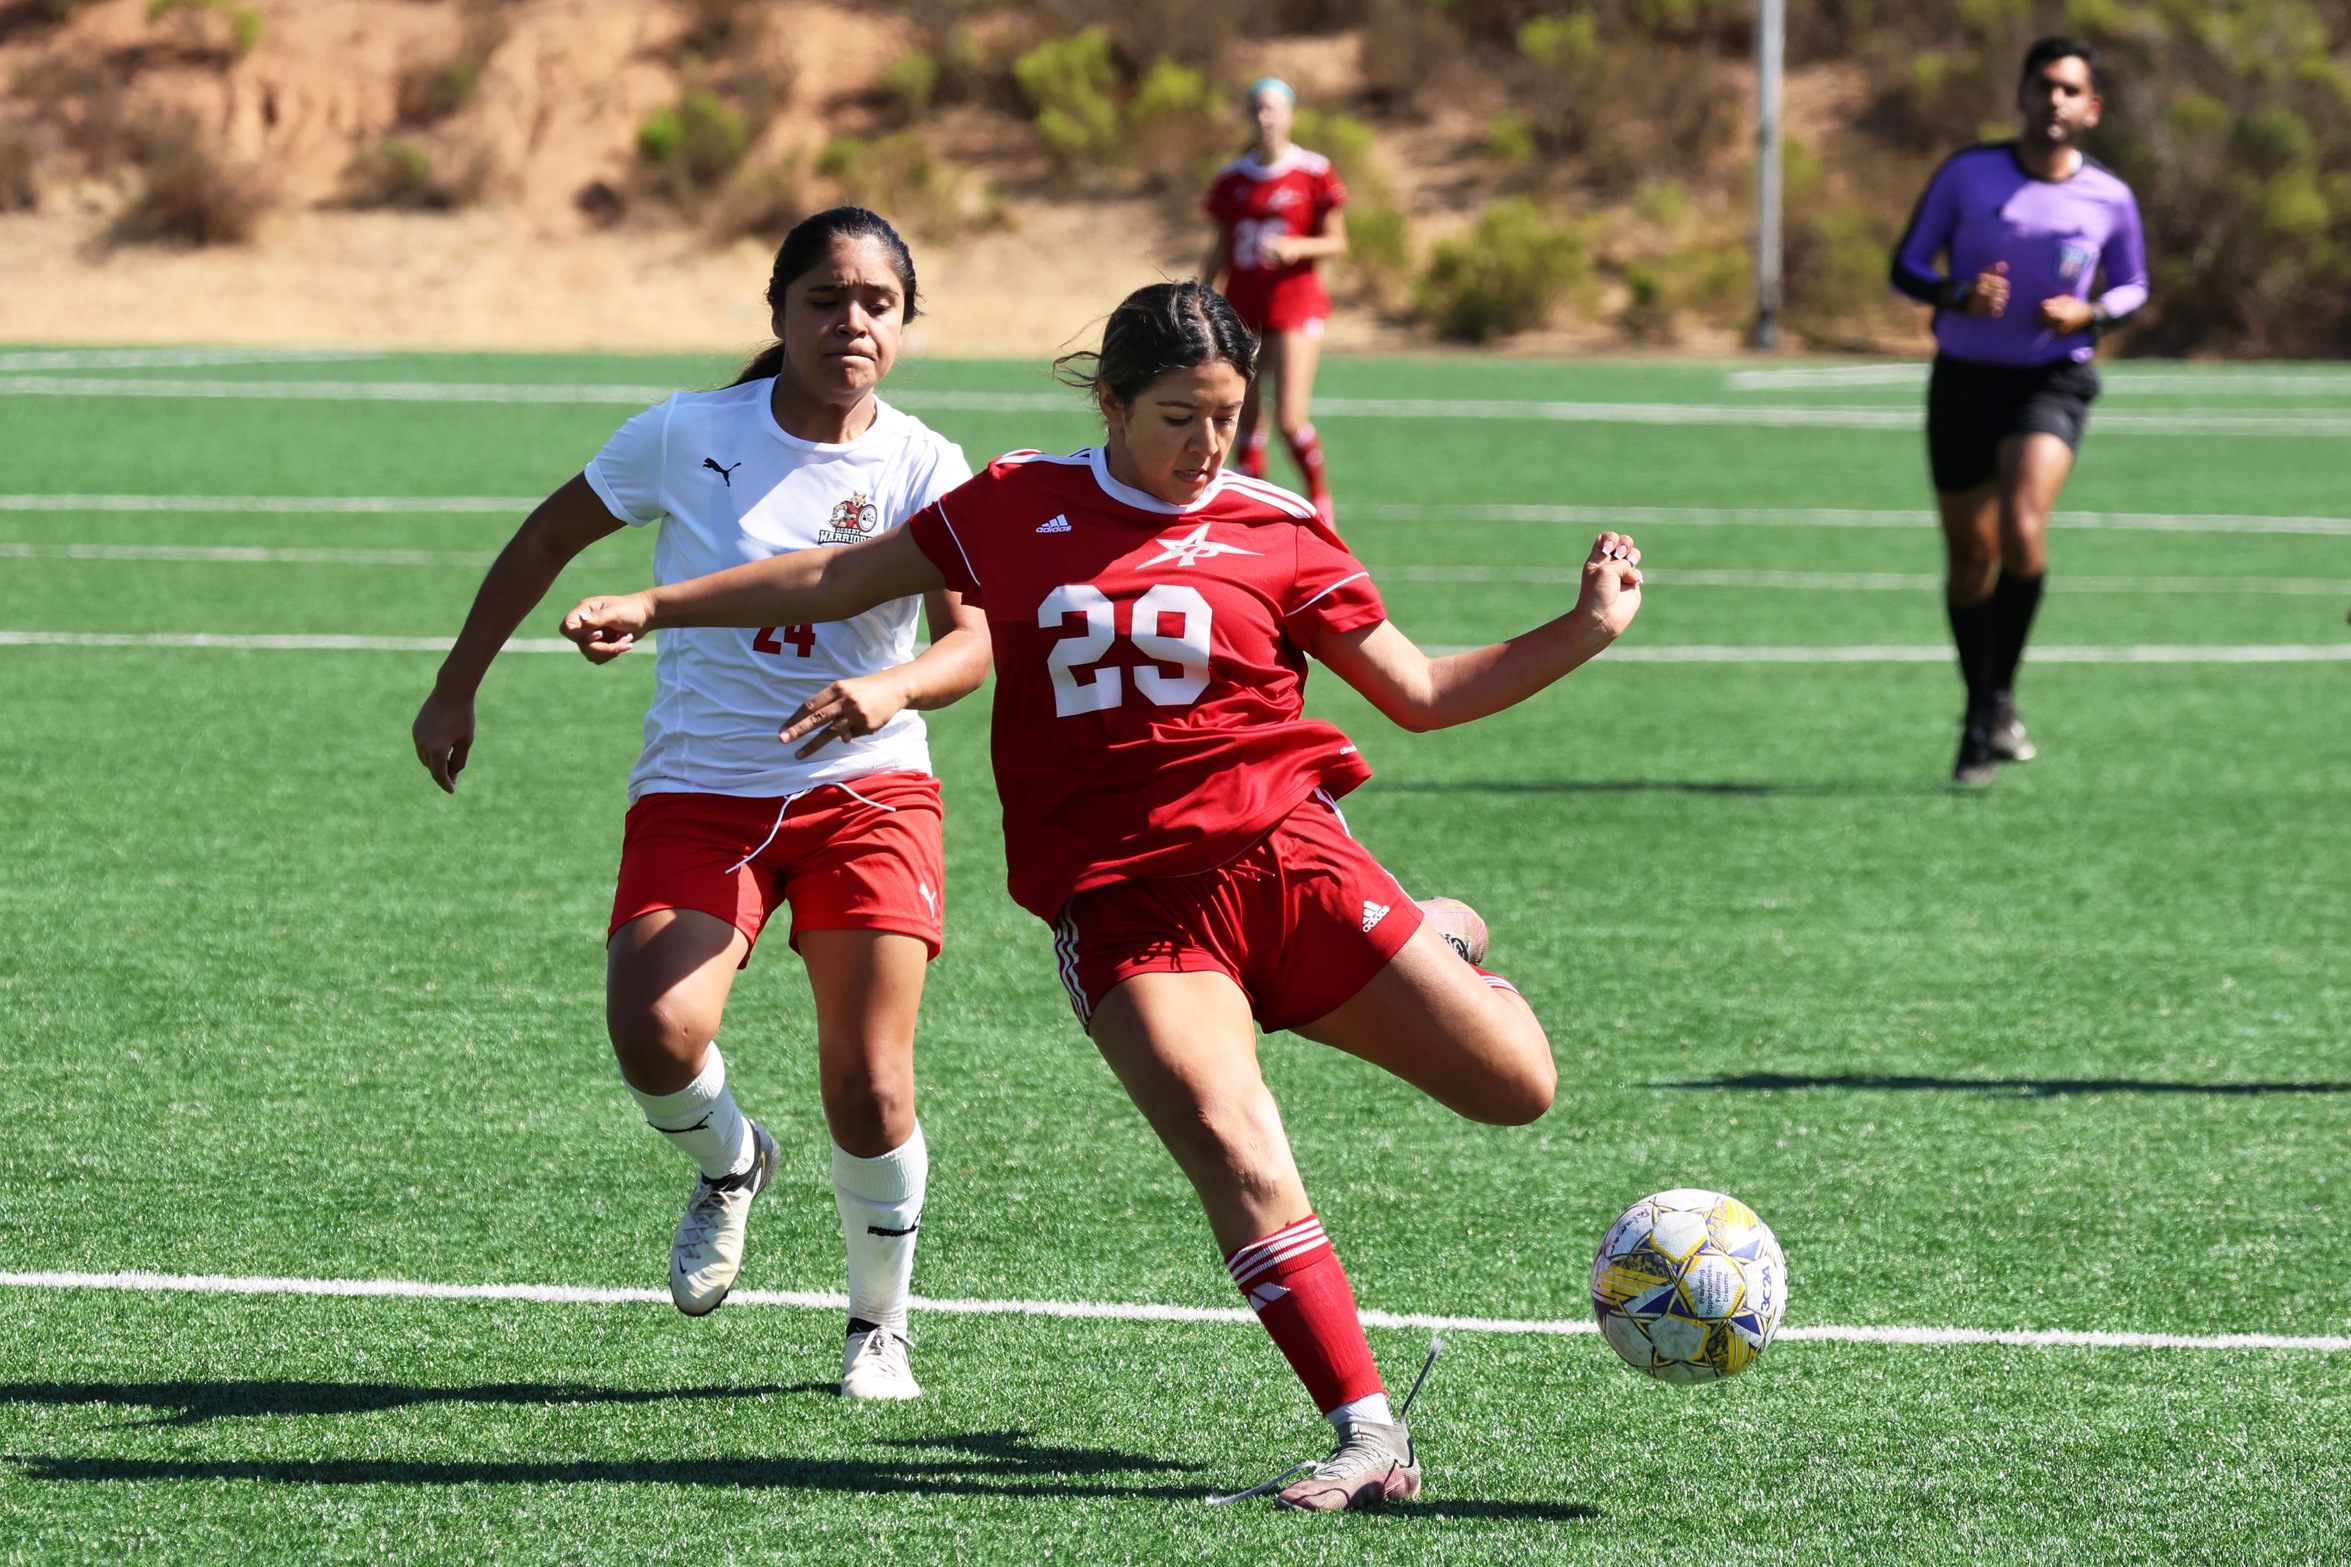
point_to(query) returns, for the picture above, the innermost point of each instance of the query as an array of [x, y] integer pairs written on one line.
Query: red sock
[[1299, 1291], [1496, 982], [1253, 449], [1306, 447]]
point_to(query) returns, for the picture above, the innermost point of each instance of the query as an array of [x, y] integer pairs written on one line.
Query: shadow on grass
[[974, 1463], [1814, 790], [194, 1403], [2020, 1087], [1521, 1512]]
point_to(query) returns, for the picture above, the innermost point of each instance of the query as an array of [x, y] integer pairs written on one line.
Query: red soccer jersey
[[1295, 194], [1150, 664]]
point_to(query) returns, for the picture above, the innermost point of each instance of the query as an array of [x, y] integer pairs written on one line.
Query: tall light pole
[[1771, 47]]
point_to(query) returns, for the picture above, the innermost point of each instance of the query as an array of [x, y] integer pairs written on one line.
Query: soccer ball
[[1689, 1286]]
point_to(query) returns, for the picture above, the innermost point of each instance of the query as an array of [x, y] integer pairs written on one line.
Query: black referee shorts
[[1973, 407]]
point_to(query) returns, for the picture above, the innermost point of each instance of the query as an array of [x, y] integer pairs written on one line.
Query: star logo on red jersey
[[1192, 548]]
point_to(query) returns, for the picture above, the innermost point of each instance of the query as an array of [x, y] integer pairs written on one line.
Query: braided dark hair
[[808, 245], [1158, 328]]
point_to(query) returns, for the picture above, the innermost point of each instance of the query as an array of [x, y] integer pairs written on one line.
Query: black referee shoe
[[1978, 763], [2005, 731]]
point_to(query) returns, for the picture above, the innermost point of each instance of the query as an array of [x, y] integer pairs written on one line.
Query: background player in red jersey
[[725, 826], [1279, 210], [1171, 811]]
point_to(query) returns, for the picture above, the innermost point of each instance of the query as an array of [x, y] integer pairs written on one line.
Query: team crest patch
[[853, 521], [2073, 261]]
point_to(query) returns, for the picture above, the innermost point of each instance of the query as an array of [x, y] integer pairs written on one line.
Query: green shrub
[[402, 172], [1070, 82], [1178, 128], [1506, 276], [899, 176], [1379, 253], [913, 81], [762, 203], [1509, 139], [697, 143], [244, 21]]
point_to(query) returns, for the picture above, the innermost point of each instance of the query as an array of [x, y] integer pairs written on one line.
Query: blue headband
[[1265, 84]]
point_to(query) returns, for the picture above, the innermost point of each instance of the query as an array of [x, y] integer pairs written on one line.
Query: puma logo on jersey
[[1373, 913], [1192, 548], [727, 474], [1057, 525], [929, 898]]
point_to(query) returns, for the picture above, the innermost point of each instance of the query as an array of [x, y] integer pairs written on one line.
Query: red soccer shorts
[[1268, 302], [866, 854], [1301, 921]]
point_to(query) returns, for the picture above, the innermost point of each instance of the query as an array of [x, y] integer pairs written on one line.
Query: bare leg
[[1433, 1021], [1971, 541], [2033, 471], [666, 979], [868, 989], [1185, 1047], [1295, 357]]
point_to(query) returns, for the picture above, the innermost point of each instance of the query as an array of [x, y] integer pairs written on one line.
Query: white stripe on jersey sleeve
[[971, 570], [1273, 495], [1327, 592]]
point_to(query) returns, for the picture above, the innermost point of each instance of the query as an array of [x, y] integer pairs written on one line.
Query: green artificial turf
[[2074, 1052]]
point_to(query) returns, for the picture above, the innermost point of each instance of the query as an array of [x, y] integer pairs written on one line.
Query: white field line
[[2118, 380], [2317, 422], [1858, 581], [1839, 517], [175, 358], [1117, 1311], [1693, 653], [302, 504], [1644, 516], [2260, 653], [1827, 581], [237, 554], [337, 391]]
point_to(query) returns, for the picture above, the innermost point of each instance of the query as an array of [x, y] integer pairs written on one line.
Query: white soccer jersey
[[729, 486]]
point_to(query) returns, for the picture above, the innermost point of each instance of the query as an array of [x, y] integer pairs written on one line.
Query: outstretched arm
[[796, 588], [561, 526], [1422, 693], [951, 668]]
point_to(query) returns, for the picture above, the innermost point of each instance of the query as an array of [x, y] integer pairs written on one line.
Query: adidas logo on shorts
[[1373, 913], [1057, 525]]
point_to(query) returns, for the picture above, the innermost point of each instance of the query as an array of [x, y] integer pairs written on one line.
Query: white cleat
[[876, 1365], [707, 1251]]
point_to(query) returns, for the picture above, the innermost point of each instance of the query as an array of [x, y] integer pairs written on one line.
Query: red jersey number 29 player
[[1173, 814]]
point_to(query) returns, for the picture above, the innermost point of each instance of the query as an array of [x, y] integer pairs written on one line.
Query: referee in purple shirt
[[2030, 228]]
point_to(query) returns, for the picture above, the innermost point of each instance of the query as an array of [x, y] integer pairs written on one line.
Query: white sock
[[701, 1120], [881, 1208], [1373, 1408]]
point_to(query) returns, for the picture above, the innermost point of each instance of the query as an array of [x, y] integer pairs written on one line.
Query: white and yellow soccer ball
[[1689, 1286]]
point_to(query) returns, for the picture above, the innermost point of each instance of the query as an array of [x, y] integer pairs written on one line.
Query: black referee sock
[[2012, 603], [1974, 627]]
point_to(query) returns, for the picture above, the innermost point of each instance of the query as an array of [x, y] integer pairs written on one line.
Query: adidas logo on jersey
[[1057, 525], [1373, 913]]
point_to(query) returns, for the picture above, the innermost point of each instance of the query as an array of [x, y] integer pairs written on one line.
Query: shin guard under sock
[[1306, 450], [1972, 628], [1254, 446], [2014, 601], [1294, 1283], [881, 1210], [700, 1120]]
